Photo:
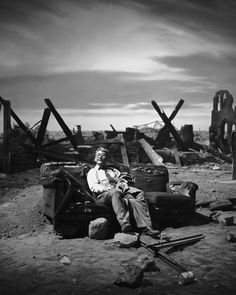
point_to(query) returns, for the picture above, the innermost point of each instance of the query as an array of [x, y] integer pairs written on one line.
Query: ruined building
[[223, 121]]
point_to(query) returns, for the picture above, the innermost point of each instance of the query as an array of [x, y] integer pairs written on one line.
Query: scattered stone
[[123, 240], [3, 176], [223, 205], [225, 218], [215, 167], [65, 260], [215, 215], [146, 263], [98, 229], [232, 200], [131, 276], [231, 237]]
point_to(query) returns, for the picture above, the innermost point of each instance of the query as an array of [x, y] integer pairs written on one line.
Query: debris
[[146, 263], [65, 260], [231, 237], [204, 203], [222, 112], [215, 167], [131, 276], [226, 220], [222, 205], [186, 278], [98, 229], [154, 157], [123, 240]]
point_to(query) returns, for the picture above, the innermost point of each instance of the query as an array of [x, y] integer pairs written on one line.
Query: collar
[[97, 167]]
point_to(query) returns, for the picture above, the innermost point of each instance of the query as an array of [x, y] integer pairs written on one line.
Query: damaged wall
[[223, 121]]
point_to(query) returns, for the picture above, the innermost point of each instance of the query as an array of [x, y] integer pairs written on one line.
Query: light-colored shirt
[[101, 180]]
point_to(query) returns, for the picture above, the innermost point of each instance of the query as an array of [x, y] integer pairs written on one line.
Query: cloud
[[114, 56]]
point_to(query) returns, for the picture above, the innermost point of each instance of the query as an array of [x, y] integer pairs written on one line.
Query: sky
[[102, 62]]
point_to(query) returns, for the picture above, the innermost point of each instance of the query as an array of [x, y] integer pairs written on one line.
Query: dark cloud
[[196, 15], [211, 68], [78, 90]]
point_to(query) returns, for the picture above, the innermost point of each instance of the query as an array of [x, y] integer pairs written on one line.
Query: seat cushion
[[168, 200]]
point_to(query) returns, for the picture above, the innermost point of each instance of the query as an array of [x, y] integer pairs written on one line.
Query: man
[[111, 190]]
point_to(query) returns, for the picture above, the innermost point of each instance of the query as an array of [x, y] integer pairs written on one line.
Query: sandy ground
[[30, 252]]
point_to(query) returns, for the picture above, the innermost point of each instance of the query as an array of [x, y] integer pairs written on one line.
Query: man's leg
[[140, 210], [114, 199]]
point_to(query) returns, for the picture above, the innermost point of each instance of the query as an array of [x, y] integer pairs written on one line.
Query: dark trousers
[[122, 204]]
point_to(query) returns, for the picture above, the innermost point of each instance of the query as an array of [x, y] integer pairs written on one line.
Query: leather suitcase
[[150, 178]]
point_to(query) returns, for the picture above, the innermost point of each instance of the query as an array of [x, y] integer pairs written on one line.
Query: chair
[[68, 203]]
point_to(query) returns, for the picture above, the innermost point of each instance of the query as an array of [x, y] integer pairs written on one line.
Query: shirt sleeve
[[93, 182]]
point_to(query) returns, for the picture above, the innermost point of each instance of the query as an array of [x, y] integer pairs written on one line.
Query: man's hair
[[102, 149]]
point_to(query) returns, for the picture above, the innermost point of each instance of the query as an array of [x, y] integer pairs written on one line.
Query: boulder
[[98, 229], [123, 240], [131, 276]]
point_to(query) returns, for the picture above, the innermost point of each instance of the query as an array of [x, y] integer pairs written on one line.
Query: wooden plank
[[54, 142], [107, 141], [169, 126], [20, 123], [6, 136], [43, 127], [61, 122], [233, 143], [173, 114], [123, 150], [154, 157], [177, 158], [115, 132]]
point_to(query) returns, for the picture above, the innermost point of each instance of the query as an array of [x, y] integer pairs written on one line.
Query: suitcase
[[150, 178]]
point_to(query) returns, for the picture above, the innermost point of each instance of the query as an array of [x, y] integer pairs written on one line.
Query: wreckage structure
[[22, 147], [223, 121]]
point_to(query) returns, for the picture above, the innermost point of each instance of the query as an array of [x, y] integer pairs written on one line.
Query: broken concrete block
[[226, 218], [146, 263], [98, 229], [131, 276], [123, 240]]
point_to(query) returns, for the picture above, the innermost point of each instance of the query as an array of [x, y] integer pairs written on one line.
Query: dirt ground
[[30, 252]]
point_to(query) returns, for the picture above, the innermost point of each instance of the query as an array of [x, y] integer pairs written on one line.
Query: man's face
[[100, 157]]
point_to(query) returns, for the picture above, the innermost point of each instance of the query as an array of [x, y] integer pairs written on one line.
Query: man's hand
[[122, 186]]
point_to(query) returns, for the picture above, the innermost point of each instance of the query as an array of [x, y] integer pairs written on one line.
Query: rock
[[215, 167], [131, 276], [146, 263], [98, 229], [65, 260], [220, 205], [123, 240], [215, 215], [231, 237], [225, 218]]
